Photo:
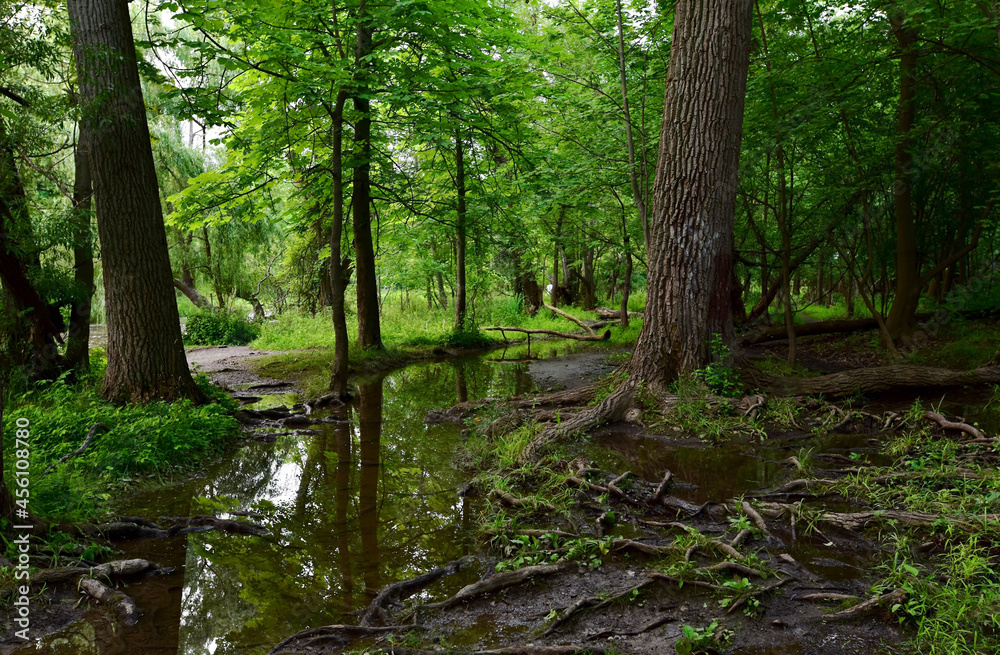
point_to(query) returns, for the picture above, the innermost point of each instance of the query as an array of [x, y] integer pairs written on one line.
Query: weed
[[701, 640]]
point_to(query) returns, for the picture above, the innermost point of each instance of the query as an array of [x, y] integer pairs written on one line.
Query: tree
[[691, 228], [145, 352]]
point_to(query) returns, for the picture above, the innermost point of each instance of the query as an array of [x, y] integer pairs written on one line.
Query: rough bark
[[16, 260], [460, 233], [339, 265], [78, 342], [901, 321], [881, 379], [200, 301], [145, 352], [691, 231], [369, 328]]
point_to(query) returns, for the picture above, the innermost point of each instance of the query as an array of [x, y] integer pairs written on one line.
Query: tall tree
[[694, 197], [145, 353]]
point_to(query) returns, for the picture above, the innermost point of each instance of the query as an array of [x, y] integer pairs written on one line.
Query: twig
[[79, 451]]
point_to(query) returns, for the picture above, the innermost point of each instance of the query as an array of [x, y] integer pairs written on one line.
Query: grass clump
[[142, 442], [219, 328]]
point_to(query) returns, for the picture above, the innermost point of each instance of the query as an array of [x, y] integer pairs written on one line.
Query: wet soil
[[365, 495]]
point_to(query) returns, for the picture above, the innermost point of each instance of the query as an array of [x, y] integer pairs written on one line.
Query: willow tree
[[145, 352], [694, 199]]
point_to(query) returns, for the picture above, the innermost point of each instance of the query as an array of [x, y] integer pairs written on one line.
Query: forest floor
[[753, 526]]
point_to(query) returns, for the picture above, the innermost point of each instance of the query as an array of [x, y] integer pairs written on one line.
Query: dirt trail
[[228, 367]]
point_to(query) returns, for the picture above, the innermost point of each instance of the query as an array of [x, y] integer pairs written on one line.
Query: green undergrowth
[[960, 345], [219, 328], [408, 334], [144, 444], [950, 569]]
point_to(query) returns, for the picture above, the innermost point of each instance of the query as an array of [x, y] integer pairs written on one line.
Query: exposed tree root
[[952, 425], [611, 409], [739, 602], [123, 606], [663, 488], [595, 603], [344, 634], [113, 569], [377, 610], [511, 501], [604, 634], [869, 606], [498, 582], [827, 597]]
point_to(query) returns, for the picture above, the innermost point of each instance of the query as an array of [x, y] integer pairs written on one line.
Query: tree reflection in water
[[372, 498]]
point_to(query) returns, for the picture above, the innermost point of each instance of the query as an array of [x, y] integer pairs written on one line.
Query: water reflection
[[368, 500]]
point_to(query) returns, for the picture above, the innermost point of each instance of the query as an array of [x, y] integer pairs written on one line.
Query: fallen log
[[613, 314], [122, 605], [880, 379], [834, 326], [570, 318], [555, 333]]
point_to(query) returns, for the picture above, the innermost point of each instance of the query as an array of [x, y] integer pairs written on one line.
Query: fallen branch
[[570, 317], [663, 488], [116, 568], [555, 333], [945, 424], [508, 499], [79, 451], [346, 633], [869, 606]]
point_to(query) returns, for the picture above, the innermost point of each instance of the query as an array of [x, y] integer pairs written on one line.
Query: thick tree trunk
[[901, 321], [460, 236], [691, 231], [16, 260], [339, 265], [369, 328], [637, 195], [78, 343], [145, 352]]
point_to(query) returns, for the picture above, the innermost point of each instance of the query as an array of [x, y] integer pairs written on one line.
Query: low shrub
[[219, 328]]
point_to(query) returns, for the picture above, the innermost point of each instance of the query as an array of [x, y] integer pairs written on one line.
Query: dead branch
[[555, 333], [663, 488], [869, 606], [569, 317], [945, 424], [79, 451]]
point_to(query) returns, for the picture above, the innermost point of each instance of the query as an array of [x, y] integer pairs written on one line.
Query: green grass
[[144, 443], [409, 332], [960, 345]]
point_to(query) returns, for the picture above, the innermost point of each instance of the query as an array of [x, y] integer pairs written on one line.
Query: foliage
[[142, 442], [719, 375], [702, 640], [219, 328]]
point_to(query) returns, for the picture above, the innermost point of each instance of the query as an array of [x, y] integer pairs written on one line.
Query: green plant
[[219, 328], [719, 376], [702, 640]]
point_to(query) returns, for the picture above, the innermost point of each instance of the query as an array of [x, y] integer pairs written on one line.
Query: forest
[[499, 327]]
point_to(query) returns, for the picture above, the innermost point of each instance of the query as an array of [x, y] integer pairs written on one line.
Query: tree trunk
[[460, 236], [901, 321], [369, 329], [44, 321], [145, 352], [339, 265], [881, 379], [78, 344], [637, 195], [691, 231]]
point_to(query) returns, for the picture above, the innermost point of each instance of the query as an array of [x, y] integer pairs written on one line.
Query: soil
[[571, 371], [227, 366]]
